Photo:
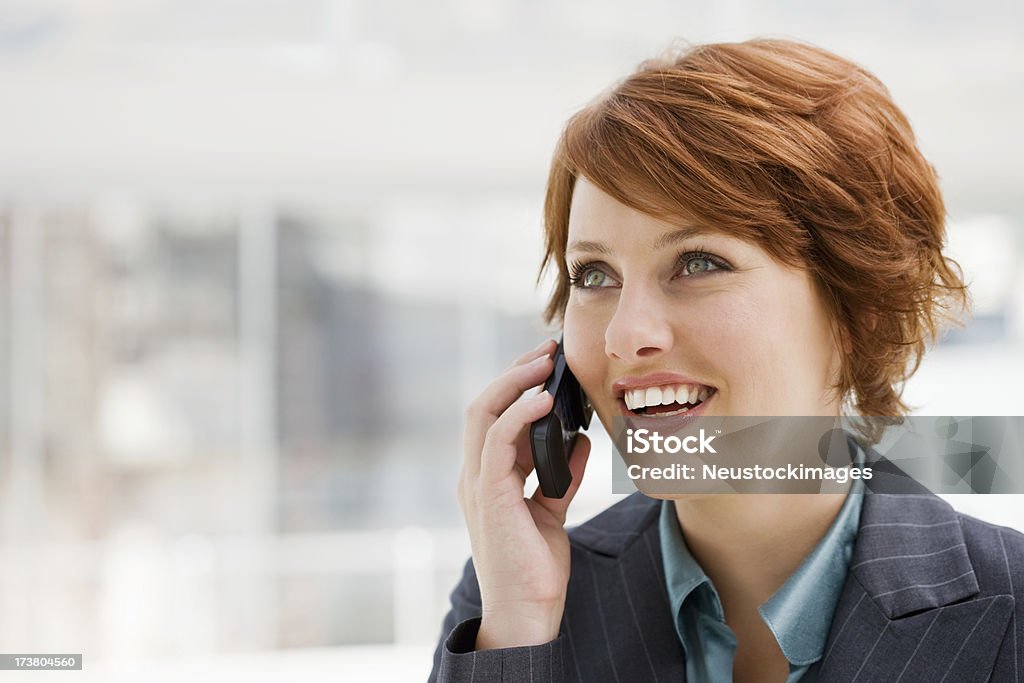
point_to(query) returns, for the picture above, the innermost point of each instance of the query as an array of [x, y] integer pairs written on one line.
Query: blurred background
[[256, 257]]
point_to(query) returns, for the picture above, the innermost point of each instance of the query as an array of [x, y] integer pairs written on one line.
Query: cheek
[[584, 347], [773, 347], [749, 339], [803, 334], [743, 345]]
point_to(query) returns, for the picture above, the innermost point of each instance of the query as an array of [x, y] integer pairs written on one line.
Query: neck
[[749, 544]]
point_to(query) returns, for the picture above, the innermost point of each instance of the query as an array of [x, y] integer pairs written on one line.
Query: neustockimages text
[[643, 441]]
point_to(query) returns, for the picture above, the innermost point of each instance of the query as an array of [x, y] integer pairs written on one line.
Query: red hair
[[799, 151]]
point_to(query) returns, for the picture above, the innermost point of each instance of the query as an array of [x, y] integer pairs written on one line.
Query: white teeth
[[653, 397], [636, 399]]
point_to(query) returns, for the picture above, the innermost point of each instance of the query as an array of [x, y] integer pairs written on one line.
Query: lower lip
[[664, 424]]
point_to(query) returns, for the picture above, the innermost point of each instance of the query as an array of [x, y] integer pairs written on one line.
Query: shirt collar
[[682, 572], [800, 612]]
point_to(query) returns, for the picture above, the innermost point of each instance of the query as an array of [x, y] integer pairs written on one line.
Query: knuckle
[[500, 429], [513, 374], [488, 444], [473, 411]]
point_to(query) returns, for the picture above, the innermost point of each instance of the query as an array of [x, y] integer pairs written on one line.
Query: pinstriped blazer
[[931, 595]]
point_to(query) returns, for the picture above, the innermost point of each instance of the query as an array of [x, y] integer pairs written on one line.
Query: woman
[[754, 223]]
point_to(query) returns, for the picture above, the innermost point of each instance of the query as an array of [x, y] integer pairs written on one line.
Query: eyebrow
[[666, 240]]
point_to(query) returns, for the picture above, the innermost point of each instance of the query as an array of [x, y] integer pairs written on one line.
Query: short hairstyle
[[799, 151]]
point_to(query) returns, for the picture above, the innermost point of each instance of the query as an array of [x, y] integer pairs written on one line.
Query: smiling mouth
[[668, 400]]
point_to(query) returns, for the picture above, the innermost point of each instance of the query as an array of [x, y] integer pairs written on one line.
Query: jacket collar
[[910, 552], [911, 598], [911, 555], [614, 530]]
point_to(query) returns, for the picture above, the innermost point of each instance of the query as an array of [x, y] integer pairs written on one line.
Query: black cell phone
[[552, 437]]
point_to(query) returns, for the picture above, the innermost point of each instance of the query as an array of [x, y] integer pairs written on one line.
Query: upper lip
[[655, 379]]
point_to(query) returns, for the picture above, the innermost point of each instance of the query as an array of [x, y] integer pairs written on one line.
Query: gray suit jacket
[[931, 595]]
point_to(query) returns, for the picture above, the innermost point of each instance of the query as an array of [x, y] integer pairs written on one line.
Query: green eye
[[590, 276], [698, 264], [594, 278]]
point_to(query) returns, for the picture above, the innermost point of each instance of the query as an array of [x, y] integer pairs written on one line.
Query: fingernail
[[541, 396], [539, 361]]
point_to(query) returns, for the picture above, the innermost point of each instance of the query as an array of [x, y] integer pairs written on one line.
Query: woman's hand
[[520, 548]]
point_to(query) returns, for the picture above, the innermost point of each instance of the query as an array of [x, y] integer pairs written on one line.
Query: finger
[[494, 401], [577, 465], [545, 348], [524, 454], [498, 455]]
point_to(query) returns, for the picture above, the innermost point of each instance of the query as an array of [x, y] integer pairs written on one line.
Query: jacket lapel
[[911, 607], [621, 601], [911, 602]]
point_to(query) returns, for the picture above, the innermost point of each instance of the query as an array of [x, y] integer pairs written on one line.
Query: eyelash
[[579, 269]]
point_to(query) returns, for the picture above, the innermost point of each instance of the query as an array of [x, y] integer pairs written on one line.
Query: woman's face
[[715, 319]]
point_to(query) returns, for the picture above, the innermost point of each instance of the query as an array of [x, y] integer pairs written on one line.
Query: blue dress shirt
[[798, 614]]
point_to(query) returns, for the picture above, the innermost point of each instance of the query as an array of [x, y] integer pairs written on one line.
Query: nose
[[639, 329]]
